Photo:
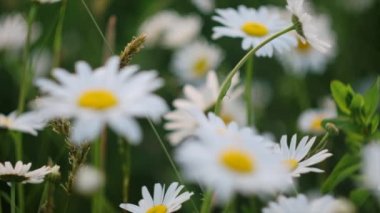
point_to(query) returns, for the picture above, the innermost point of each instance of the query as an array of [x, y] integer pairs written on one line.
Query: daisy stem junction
[[248, 90], [227, 82]]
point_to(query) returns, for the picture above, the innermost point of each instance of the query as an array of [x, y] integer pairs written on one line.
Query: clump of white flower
[[13, 32], [192, 62], [28, 122], [205, 6], [371, 168], [88, 180], [171, 30], [20, 172]]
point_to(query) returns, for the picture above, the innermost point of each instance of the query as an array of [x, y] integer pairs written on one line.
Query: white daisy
[[202, 98], [171, 30], [307, 30], [103, 96], [21, 173], [88, 180], [192, 62], [304, 58], [205, 6], [371, 168], [254, 26], [13, 31], [302, 204], [230, 160], [28, 122], [310, 121], [161, 202], [294, 155], [47, 1]]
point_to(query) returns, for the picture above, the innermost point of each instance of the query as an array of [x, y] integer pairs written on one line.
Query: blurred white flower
[[21, 173], [325, 204], [28, 122], [192, 62], [310, 121], [296, 156], [171, 30], [308, 30], [356, 6], [161, 202], [254, 26], [371, 168], [88, 180], [305, 58], [106, 95], [13, 32], [46, 1], [202, 98], [205, 6], [228, 160], [41, 62]]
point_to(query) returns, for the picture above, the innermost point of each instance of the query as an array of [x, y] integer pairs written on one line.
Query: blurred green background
[[357, 63]]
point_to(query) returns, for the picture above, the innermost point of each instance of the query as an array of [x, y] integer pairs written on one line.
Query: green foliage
[[358, 116]]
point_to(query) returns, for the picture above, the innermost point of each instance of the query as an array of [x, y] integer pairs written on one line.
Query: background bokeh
[[357, 62]]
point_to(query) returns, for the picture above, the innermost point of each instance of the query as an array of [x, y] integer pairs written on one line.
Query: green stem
[[248, 91], [58, 35], [25, 75], [227, 82], [17, 138], [230, 207], [44, 196], [13, 197], [125, 151], [206, 204], [97, 161]]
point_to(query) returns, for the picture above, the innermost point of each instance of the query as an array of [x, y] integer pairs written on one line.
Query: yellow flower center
[[292, 164], [158, 209], [200, 67], [227, 118], [303, 47], [316, 124], [237, 161], [255, 29], [99, 99]]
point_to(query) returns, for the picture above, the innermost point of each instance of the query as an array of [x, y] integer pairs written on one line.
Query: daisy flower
[[28, 122], [205, 6], [310, 121], [47, 1], [106, 95], [13, 31], [308, 31], [192, 62], [171, 30], [162, 201], [301, 203], [88, 180], [180, 121], [294, 155], [229, 160], [371, 168], [21, 173], [304, 57], [254, 26]]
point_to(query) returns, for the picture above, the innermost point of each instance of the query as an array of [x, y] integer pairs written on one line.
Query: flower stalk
[[248, 91], [227, 82]]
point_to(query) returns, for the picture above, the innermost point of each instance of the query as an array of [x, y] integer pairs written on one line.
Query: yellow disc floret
[[98, 99], [292, 164], [158, 209], [200, 67], [237, 161], [255, 29]]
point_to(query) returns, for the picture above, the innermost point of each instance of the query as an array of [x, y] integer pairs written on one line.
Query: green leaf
[[357, 102], [348, 165], [339, 92], [371, 98], [359, 196], [374, 123]]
